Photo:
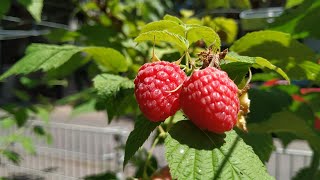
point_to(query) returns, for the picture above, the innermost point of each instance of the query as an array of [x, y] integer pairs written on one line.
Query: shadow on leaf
[[187, 133]]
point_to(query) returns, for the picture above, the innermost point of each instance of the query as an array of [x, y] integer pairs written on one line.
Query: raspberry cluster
[[208, 97]]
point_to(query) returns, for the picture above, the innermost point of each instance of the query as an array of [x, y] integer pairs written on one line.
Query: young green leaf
[[173, 18], [34, 7], [142, 129], [162, 25], [196, 32], [280, 49], [196, 154], [166, 36]]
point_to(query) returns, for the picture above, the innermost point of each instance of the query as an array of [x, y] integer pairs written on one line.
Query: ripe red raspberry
[[209, 99], [156, 89]]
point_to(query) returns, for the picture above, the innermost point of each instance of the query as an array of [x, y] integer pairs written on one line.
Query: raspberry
[[157, 89], [209, 99]]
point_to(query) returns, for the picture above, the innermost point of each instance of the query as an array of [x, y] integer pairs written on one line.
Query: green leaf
[[61, 35], [166, 36], [26, 143], [39, 130], [86, 107], [7, 123], [172, 18], [261, 62], [142, 129], [4, 7], [286, 121], [115, 92], [274, 99], [109, 85], [261, 143], [286, 138], [205, 155], [280, 49], [209, 36], [308, 173], [292, 3], [108, 59], [237, 66], [162, 25], [12, 156], [300, 21], [49, 57], [34, 7], [41, 56], [227, 28]]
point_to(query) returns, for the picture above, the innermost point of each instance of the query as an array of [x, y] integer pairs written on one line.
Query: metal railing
[[76, 151], [80, 150]]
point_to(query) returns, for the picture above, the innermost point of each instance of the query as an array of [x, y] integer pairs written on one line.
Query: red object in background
[[163, 174], [274, 82], [317, 123], [309, 90], [298, 98]]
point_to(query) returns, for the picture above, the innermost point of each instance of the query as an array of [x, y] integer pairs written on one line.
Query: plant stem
[[155, 142]]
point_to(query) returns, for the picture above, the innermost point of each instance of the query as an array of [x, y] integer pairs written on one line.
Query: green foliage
[[286, 121], [4, 7], [142, 129], [34, 7], [300, 22], [282, 51], [204, 155], [237, 66], [49, 57], [261, 143]]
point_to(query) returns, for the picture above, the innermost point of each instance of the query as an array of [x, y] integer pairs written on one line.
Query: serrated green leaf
[[205, 155], [109, 85], [108, 59], [172, 18], [166, 36], [4, 7], [41, 56], [34, 7], [261, 143], [162, 25], [279, 48], [115, 92], [49, 57], [210, 37], [286, 121], [142, 129]]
